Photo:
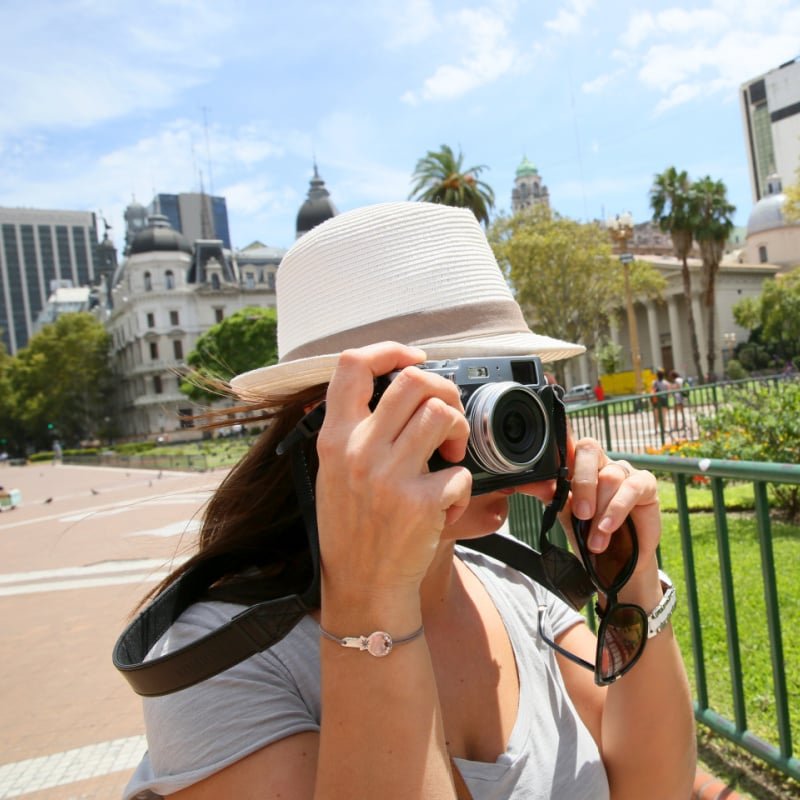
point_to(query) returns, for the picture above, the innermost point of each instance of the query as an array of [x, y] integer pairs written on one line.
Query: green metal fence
[[636, 425], [774, 699]]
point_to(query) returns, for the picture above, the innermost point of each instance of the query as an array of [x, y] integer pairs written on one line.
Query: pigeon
[[49, 500]]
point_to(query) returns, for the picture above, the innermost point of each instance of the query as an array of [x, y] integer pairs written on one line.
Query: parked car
[[582, 393]]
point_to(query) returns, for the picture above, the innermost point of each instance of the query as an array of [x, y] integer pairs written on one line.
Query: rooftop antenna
[[206, 230], [208, 152]]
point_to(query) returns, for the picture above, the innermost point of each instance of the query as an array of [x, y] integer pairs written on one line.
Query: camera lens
[[508, 427]]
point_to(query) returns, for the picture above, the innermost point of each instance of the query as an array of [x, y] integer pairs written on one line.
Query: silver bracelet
[[659, 617], [378, 643]]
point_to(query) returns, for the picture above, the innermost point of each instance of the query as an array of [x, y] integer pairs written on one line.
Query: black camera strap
[[263, 624]]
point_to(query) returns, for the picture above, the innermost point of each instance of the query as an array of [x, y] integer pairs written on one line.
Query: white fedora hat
[[417, 273]]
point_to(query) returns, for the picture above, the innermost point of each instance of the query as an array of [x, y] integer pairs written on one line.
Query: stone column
[[677, 329], [655, 338]]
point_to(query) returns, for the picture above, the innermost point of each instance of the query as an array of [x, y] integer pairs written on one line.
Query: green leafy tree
[[609, 357], [11, 435], [712, 229], [674, 212], [243, 341], [773, 318], [440, 177], [564, 273], [791, 206], [63, 380]]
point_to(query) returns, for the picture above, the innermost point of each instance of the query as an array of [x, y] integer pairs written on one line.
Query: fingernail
[[583, 510], [606, 525], [598, 542]]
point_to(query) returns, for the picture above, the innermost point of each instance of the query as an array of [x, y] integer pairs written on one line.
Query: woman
[[470, 699]]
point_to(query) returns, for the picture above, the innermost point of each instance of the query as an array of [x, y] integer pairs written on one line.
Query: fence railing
[[640, 424], [730, 589], [191, 462]]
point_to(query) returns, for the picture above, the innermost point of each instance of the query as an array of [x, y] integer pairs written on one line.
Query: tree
[[773, 318], [246, 340], [64, 375], [440, 177], [791, 206], [714, 223], [673, 211], [566, 278]]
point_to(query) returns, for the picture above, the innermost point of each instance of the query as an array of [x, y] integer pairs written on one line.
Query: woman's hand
[[606, 492], [380, 511]]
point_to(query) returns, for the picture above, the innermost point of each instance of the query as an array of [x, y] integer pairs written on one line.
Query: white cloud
[[410, 23], [488, 54], [55, 75], [569, 19], [685, 55]]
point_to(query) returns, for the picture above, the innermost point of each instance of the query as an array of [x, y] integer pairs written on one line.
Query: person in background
[[428, 671], [599, 393], [678, 400], [660, 401]]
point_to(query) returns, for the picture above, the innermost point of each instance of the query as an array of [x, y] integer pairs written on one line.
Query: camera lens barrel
[[509, 427]]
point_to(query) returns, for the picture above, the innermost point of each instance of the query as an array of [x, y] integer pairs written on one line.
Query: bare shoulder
[[285, 769]]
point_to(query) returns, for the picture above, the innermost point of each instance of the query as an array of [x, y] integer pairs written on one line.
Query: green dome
[[526, 168]]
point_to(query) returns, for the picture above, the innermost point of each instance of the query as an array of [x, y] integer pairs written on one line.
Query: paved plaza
[[76, 556]]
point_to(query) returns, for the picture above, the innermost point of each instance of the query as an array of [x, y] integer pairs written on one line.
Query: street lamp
[[621, 230]]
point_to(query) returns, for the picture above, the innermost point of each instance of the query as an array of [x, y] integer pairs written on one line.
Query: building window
[[219, 314], [215, 281], [148, 282], [158, 386], [151, 320], [271, 281], [169, 277], [154, 350], [261, 276], [177, 349], [250, 280], [185, 415], [762, 254], [174, 318]]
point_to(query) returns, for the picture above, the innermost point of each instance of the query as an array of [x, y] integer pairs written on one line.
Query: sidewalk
[[77, 555]]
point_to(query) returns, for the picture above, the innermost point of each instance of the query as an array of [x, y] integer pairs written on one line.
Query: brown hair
[[253, 519]]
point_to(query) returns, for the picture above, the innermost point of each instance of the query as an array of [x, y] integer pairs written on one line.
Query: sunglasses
[[622, 634]]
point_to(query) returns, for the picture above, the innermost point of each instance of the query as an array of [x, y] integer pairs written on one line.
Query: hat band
[[420, 328]]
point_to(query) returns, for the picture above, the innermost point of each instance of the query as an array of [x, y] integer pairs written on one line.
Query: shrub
[[757, 423]]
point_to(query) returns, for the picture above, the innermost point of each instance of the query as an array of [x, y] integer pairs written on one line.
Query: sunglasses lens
[[624, 635], [615, 564]]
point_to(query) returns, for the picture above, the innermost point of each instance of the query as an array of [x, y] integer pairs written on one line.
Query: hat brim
[[293, 376]]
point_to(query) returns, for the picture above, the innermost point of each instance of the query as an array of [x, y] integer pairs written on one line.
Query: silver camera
[[509, 406]]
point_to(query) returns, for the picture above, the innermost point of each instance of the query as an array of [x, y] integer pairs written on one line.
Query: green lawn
[[750, 606]]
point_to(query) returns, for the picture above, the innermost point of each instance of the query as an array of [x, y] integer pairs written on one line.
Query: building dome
[[317, 208], [526, 168], [767, 213], [159, 235]]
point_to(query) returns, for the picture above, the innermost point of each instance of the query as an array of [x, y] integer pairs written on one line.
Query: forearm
[[382, 733], [648, 730]]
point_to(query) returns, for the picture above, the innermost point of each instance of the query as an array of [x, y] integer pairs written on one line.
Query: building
[[528, 188], [770, 238], [196, 215], [663, 334], [317, 207], [64, 300], [770, 107], [39, 251], [165, 294]]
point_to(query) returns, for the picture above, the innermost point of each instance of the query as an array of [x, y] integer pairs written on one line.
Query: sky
[[105, 102]]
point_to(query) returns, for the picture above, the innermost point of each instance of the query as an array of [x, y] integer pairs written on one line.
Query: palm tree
[[713, 227], [672, 202], [440, 177]]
